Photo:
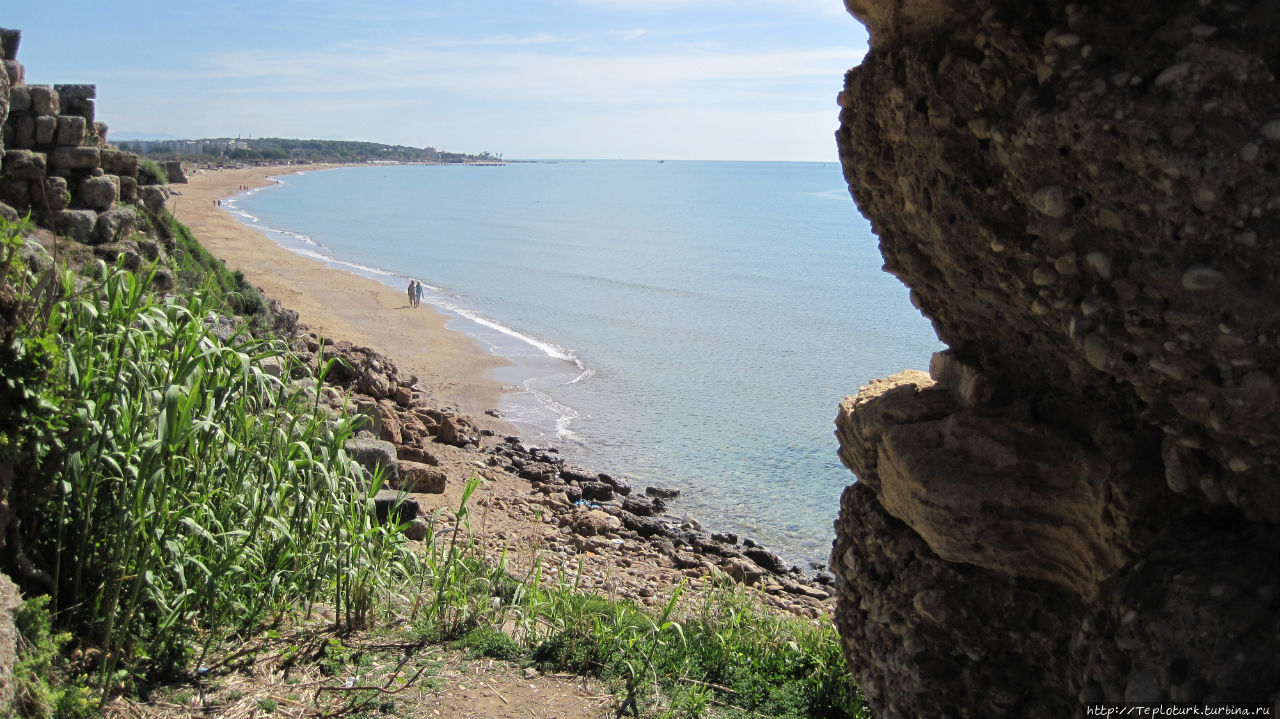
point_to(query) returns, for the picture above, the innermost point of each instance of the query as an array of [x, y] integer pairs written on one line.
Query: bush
[[151, 173]]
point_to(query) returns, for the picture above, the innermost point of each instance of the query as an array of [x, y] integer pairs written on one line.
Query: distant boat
[[661, 161]]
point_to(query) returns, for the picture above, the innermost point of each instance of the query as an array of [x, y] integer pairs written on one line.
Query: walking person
[[413, 293], [421, 291]]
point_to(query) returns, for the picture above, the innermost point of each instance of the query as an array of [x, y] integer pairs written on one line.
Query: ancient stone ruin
[[57, 163], [1080, 502]]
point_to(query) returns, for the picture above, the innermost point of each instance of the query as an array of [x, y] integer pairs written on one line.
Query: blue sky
[[642, 79]]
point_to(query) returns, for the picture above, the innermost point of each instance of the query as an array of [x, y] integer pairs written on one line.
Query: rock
[[44, 130], [390, 505], [742, 571], [415, 477], [596, 491], [417, 530], [457, 432], [56, 193], [767, 560], [10, 602], [593, 523], [24, 165], [662, 492], [123, 252], [374, 384], [44, 100], [153, 197], [642, 506], [1010, 553], [77, 224], [70, 130], [374, 453], [391, 430], [114, 224], [118, 162], [173, 172], [74, 158], [100, 193]]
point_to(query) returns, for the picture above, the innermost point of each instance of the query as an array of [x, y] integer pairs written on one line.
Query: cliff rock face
[[1081, 501]]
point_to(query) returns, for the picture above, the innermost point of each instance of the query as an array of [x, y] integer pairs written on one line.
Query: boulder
[[390, 505], [44, 129], [113, 252], [162, 280], [373, 453], [15, 72], [415, 477], [643, 506], [457, 432], [115, 224], [153, 197], [596, 491], [374, 384], [594, 522], [76, 224], [24, 132], [391, 430], [9, 213], [662, 492], [417, 454]]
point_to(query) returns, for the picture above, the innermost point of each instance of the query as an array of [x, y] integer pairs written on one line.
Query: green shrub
[[489, 642], [151, 173]]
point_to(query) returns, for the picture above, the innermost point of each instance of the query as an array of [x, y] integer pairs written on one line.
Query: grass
[[188, 509]]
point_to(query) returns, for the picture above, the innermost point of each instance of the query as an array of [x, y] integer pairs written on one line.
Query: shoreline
[[451, 367]]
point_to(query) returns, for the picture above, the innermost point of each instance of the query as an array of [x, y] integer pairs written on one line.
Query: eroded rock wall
[[1080, 502]]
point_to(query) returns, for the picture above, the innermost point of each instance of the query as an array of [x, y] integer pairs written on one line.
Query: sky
[[631, 79]]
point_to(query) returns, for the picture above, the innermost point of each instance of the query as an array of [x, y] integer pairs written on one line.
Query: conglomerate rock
[[1080, 504]]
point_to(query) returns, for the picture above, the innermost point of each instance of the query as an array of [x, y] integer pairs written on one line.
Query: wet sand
[[452, 368]]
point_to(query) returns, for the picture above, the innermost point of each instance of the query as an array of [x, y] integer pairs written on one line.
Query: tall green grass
[[198, 497]]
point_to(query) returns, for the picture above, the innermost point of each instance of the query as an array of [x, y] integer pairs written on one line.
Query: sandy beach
[[452, 368]]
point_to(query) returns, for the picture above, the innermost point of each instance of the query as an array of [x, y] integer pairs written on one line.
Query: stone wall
[[57, 164], [1080, 502]]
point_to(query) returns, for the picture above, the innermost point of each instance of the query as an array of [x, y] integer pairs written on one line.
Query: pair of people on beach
[[416, 290]]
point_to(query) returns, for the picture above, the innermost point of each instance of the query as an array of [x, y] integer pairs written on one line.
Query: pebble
[[1173, 74], [1096, 352], [1044, 276], [1271, 130], [1249, 152], [1200, 278], [1050, 201], [1100, 263]]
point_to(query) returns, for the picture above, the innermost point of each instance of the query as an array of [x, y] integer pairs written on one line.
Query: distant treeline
[[275, 149]]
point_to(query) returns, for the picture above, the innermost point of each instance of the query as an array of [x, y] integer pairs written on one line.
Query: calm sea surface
[[690, 324]]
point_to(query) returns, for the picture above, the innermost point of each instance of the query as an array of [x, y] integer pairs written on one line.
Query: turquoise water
[[691, 324]]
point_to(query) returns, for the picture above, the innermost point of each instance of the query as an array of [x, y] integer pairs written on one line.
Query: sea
[[691, 325]]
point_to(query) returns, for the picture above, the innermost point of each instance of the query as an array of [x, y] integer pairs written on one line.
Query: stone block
[[6, 135], [46, 129], [15, 192], [77, 100], [19, 99], [75, 158], [10, 40], [153, 196], [44, 100], [128, 189], [55, 191], [24, 132], [119, 162], [173, 169], [76, 224], [17, 75], [71, 130], [100, 131], [115, 225], [99, 193], [22, 164]]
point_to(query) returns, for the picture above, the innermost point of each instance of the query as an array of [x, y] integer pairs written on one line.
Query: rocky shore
[[624, 541]]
